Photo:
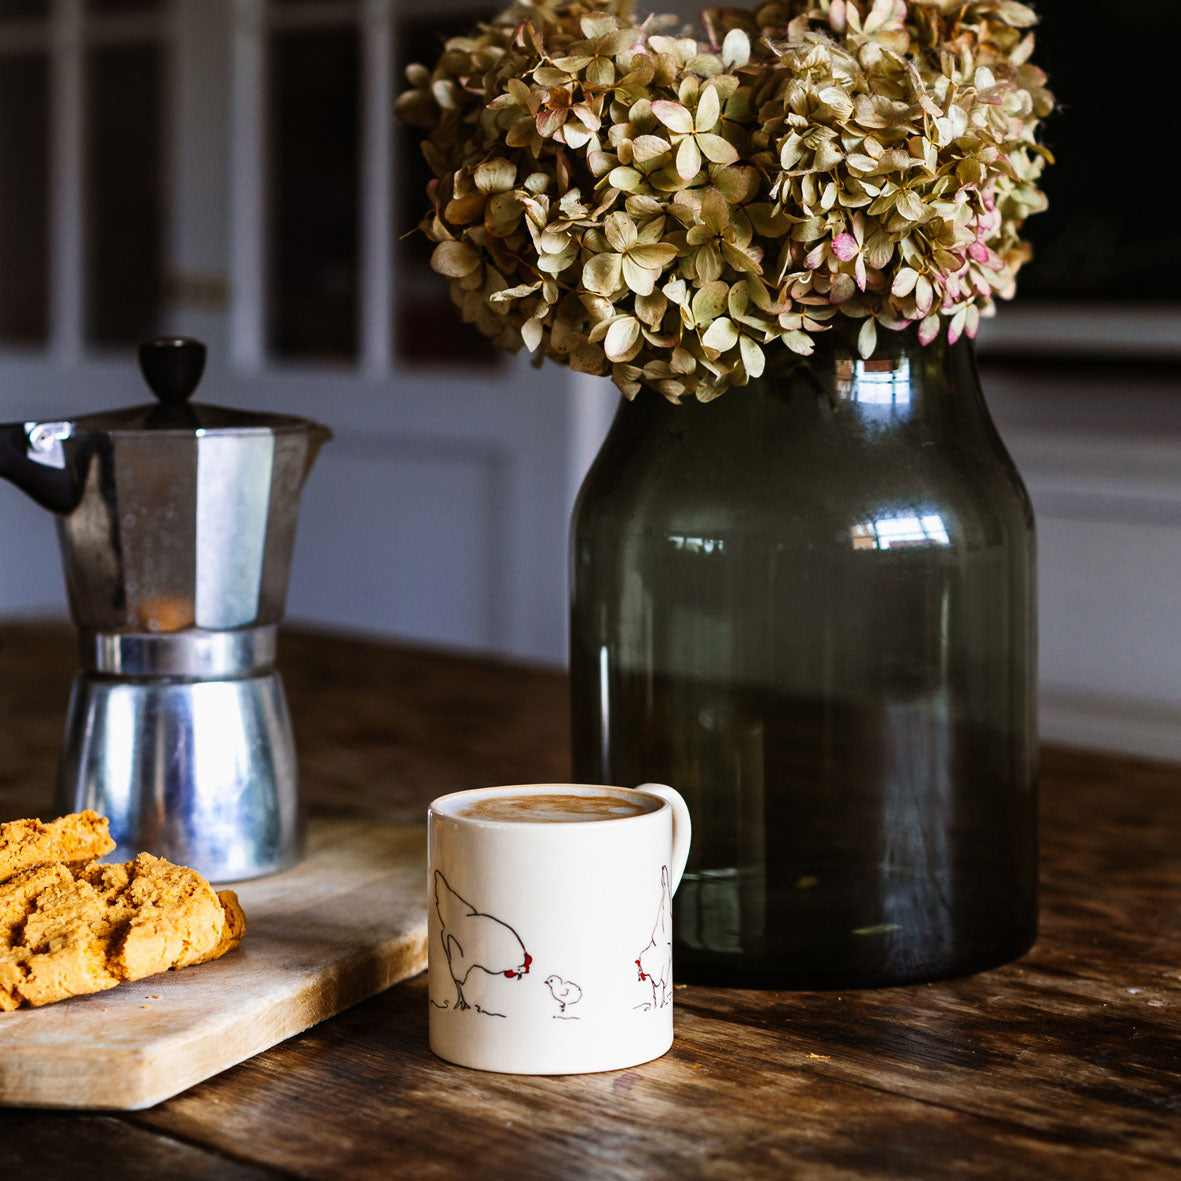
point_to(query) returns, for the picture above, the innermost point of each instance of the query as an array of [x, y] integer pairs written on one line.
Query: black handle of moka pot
[[51, 487], [172, 366]]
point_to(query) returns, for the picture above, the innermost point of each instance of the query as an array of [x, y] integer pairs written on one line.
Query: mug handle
[[682, 829]]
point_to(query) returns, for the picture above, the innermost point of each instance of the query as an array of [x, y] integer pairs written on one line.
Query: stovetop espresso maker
[[177, 522]]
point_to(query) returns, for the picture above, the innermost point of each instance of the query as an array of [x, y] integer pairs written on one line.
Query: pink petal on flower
[[548, 122], [844, 246], [978, 251], [929, 329], [956, 328], [924, 295], [841, 288]]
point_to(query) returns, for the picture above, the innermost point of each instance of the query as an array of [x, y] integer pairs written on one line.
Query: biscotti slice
[[66, 931], [77, 838], [233, 931], [52, 938]]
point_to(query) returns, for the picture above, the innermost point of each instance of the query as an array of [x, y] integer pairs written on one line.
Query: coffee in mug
[[553, 808]]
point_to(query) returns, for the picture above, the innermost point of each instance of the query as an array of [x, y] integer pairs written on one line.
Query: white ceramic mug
[[550, 925]]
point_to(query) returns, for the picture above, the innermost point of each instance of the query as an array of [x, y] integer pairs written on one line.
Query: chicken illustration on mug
[[476, 942], [655, 963]]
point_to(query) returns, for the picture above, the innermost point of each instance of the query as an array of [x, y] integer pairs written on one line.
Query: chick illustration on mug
[[566, 993]]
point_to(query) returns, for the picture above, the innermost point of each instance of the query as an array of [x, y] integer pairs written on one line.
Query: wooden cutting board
[[347, 922]]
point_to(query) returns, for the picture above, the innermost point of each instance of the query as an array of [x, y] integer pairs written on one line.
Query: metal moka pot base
[[200, 771]]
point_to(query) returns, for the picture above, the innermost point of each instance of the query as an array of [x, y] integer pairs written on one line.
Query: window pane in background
[[427, 325], [124, 193], [314, 193], [1110, 232], [24, 199]]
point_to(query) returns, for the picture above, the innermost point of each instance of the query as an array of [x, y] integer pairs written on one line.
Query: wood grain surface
[[347, 922], [1066, 1064]]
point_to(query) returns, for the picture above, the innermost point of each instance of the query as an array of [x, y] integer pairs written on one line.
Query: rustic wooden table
[[1066, 1064]]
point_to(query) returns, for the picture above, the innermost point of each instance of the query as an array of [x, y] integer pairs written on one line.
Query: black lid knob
[[172, 367]]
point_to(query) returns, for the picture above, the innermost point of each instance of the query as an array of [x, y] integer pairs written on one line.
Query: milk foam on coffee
[[553, 807]]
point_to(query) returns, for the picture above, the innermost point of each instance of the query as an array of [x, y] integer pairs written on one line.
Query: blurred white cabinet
[[1101, 456]]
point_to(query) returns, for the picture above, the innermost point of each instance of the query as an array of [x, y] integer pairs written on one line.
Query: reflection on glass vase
[[809, 605]]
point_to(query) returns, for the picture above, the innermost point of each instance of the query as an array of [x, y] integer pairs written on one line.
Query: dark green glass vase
[[809, 606]]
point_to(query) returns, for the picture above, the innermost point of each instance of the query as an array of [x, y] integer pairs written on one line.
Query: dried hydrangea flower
[[669, 210]]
